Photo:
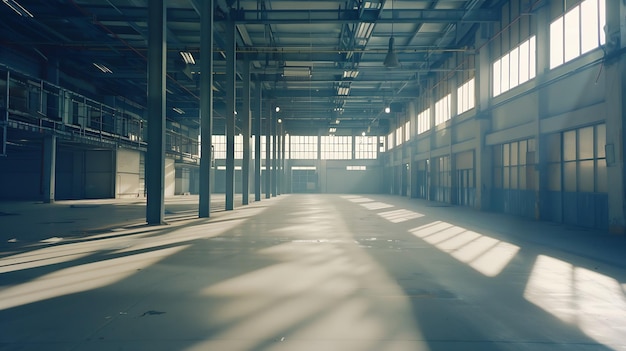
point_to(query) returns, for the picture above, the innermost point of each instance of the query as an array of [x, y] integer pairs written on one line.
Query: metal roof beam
[[369, 15], [330, 16]]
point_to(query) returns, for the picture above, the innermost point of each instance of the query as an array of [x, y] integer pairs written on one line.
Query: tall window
[[515, 67], [465, 97], [365, 147], [336, 147], [513, 166], [579, 30], [390, 143], [303, 147], [399, 136], [423, 121], [382, 144], [219, 147], [442, 110], [407, 131]]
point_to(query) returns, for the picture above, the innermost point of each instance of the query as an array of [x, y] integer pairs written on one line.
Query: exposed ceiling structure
[[320, 61]]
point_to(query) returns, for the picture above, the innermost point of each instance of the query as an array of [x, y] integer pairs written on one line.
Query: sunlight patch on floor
[[81, 278], [401, 215], [487, 255], [594, 302], [314, 293]]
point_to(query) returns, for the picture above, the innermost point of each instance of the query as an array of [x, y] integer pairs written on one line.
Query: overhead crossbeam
[[353, 16], [327, 16]]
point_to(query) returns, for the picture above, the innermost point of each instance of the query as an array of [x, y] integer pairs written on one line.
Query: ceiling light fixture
[[343, 91], [350, 74], [102, 68], [178, 110], [188, 57], [387, 109], [391, 60], [19, 9]]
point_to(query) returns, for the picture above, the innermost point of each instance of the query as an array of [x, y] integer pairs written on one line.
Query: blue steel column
[[4, 119], [268, 155], [245, 128], [274, 170], [231, 61], [49, 167], [283, 175], [155, 158], [206, 105], [279, 149], [257, 142]]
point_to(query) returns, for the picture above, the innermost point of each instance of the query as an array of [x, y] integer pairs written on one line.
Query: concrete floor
[[304, 272]]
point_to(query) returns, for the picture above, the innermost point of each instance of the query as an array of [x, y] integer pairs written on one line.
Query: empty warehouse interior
[[304, 175]]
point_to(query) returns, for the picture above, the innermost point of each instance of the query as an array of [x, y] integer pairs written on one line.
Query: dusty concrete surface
[[305, 272]]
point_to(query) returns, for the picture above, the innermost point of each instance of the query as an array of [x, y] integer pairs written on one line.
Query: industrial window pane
[[506, 178], [554, 177], [602, 12], [471, 94], [585, 143], [589, 25], [524, 62], [556, 43], [514, 172], [505, 73], [514, 67], [532, 53], [572, 34], [514, 154], [522, 177], [569, 145], [569, 176], [365, 147], [586, 180], [601, 140], [522, 152], [497, 84], [506, 154], [219, 147], [407, 131], [601, 177]]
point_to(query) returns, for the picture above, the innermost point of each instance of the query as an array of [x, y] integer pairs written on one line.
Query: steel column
[[257, 142], [279, 148], [5, 117], [49, 167], [274, 146], [206, 106], [155, 157], [283, 176], [231, 61], [268, 155], [245, 129]]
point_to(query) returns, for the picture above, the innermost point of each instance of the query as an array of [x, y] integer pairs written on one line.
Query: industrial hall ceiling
[[321, 61]]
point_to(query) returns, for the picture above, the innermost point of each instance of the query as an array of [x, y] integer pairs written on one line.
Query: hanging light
[[391, 60]]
